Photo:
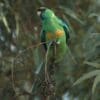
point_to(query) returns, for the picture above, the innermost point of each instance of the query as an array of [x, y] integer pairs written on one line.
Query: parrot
[[54, 36], [54, 33]]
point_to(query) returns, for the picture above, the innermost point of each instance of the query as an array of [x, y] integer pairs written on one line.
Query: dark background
[[21, 52]]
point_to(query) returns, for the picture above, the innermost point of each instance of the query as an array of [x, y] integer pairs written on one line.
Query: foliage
[[89, 75]]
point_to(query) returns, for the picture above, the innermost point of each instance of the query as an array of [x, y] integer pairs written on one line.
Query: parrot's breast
[[54, 35]]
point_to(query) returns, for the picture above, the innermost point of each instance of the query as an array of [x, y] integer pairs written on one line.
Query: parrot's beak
[[38, 13], [40, 10]]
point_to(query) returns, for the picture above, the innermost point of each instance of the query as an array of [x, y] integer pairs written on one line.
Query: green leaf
[[87, 76], [4, 19], [36, 57], [96, 81], [39, 68], [97, 65]]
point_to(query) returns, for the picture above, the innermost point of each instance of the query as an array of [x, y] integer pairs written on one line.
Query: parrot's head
[[45, 13]]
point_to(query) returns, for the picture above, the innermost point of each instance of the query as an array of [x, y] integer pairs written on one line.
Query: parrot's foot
[[58, 42], [55, 43]]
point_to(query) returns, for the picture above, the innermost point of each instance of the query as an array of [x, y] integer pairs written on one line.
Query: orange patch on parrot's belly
[[57, 34]]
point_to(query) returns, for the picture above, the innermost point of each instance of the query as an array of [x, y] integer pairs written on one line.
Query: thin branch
[[46, 61]]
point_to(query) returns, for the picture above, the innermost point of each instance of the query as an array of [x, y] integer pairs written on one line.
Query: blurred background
[[21, 52]]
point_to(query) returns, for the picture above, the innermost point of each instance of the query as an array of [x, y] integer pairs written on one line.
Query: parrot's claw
[[58, 42]]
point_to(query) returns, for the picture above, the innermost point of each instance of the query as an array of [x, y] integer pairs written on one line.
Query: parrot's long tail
[[43, 74], [73, 58]]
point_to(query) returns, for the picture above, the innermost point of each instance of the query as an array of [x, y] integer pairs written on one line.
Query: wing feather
[[43, 39], [66, 28]]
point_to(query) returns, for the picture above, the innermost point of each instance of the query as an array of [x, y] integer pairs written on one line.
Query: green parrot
[[54, 34]]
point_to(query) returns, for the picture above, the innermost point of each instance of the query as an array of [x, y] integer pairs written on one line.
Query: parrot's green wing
[[66, 28], [43, 38], [62, 24]]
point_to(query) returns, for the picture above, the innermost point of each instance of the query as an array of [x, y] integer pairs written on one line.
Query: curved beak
[[38, 13], [40, 10]]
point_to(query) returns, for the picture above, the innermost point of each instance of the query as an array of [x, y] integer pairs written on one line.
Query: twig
[[46, 61], [12, 75], [32, 46]]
